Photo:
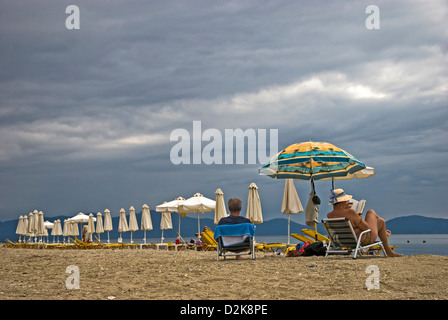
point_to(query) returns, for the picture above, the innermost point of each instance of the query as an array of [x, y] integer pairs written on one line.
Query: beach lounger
[[236, 239], [343, 239], [208, 238]]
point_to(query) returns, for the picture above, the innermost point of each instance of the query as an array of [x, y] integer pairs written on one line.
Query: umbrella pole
[[144, 238], [315, 231], [289, 217], [199, 225], [108, 241]]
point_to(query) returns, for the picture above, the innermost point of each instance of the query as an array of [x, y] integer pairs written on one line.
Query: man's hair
[[235, 205]]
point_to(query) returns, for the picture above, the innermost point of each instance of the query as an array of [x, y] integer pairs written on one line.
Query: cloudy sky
[[86, 115]]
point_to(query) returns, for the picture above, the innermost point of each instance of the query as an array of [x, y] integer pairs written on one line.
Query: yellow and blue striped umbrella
[[311, 160]]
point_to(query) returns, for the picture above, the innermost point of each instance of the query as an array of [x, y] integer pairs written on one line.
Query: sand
[[123, 274]]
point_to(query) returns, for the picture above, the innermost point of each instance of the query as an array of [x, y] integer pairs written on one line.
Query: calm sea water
[[408, 244]]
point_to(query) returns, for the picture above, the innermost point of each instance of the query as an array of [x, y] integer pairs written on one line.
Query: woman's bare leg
[[377, 226]]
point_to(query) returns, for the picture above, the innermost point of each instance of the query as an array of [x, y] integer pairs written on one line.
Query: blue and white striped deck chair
[[235, 238], [343, 239]]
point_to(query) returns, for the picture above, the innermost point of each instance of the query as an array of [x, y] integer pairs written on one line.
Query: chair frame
[[233, 248], [336, 247]]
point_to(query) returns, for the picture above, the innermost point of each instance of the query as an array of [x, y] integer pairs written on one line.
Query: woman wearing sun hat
[[342, 209]]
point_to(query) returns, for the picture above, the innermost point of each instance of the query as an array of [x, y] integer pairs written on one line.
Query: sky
[[86, 114]]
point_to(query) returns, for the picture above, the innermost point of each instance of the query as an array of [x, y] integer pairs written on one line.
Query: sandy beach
[[123, 274]]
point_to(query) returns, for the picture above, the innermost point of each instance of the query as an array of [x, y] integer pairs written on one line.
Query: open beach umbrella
[[122, 223], [133, 226], [253, 211], [291, 203], [99, 225], [311, 160], [314, 161], [146, 220], [220, 210], [165, 222], [172, 206], [197, 204]]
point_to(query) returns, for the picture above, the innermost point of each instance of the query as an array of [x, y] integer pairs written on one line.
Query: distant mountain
[[273, 227], [417, 225]]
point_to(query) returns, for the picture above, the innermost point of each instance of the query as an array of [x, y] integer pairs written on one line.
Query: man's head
[[235, 205]]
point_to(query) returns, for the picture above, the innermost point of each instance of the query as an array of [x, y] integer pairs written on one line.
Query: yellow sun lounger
[[207, 237]]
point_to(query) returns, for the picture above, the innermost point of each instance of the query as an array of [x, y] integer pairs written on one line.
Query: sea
[[408, 244]]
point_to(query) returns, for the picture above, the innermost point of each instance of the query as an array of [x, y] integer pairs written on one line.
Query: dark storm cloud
[[86, 115]]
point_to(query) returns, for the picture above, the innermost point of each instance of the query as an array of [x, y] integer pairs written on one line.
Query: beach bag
[[315, 249]]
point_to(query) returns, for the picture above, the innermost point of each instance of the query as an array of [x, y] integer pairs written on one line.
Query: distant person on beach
[[235, 205], [342, 209]]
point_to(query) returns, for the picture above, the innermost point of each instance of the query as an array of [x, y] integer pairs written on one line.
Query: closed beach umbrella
[[20, 228], [25, 227], [172, 206], [165, 222], [99, 225], [291, 203], [66, 229], [40, 232], [253, 212], [146, 220], [48, 225], [133, 226], [74, 231], [31, 229], [90, 227], [220, 210], [122, 223], [107, 223], [57, 230]]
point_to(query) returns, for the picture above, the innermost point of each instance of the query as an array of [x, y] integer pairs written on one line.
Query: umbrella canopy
[[220, 209], [291, 203], [165, 222], [311, 160], [133, 226], [170, 206], [146, 218], [122, 223], [31, 228], [197, 204], [40, 231], [66, 230], [107, 221], [91, 224], [80, 218], [20, 230], [253, 212], [99, 223]]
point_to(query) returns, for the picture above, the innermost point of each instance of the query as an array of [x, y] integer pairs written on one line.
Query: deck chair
[[343, 239], [236, 239]]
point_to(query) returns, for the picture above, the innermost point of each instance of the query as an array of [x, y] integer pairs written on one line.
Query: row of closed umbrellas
[[33, 225]]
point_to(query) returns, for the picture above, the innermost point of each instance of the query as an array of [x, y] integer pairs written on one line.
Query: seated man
[[235, 205], [234, 217], [342, 209]]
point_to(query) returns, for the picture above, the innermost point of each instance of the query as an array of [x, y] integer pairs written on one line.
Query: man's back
[[233, 220]]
